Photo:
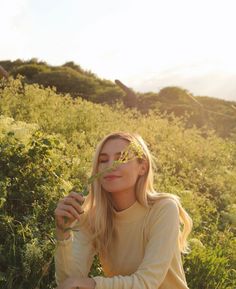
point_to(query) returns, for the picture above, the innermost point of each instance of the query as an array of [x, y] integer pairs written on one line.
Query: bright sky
[[147, 44]]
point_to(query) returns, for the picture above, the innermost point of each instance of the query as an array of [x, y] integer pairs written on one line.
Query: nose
[[111, 164]]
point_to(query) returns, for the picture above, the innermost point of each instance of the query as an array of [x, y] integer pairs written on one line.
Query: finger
[[71, 210], [71, 201], [61, 213], [77, 196]]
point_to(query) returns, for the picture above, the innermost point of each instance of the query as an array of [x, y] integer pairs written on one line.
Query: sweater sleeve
[[162, 242], [73, 257]]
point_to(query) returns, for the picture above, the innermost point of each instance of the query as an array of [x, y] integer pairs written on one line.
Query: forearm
[[73, 257], [78, 283], [86, 283], [63, 260]]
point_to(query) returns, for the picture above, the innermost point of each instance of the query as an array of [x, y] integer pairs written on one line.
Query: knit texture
[[144, 252]]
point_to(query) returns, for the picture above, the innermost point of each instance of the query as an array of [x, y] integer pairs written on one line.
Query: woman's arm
[[73, 257], [74, 252], [75, 283]]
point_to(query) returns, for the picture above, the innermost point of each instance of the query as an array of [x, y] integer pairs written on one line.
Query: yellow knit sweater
[[144, 254]]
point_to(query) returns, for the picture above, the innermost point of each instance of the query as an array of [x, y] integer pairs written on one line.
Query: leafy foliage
[[31, 183], [46, 145]]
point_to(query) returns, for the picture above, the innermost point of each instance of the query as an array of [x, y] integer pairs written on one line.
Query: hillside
[[47, 140], [200, 111]]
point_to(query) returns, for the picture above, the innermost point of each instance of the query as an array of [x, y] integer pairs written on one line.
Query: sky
[[147, 44]]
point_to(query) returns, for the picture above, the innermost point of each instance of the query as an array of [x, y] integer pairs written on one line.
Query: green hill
[[200, 111]]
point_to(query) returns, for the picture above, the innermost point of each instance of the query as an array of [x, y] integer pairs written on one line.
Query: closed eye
[[106, 160], [102, 161], [118, 157]]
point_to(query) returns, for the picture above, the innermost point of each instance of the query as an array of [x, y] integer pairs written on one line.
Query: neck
[[122, 201]]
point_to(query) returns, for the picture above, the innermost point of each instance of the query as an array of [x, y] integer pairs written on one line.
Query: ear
[[143, 168]]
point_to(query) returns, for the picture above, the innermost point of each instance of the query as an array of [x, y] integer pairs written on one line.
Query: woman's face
[[121, 179]]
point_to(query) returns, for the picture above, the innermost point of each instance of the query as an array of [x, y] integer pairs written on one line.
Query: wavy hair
[[98, 216]]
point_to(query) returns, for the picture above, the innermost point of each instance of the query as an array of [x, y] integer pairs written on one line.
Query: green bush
[[32, 179], [29, 70], [209, 267], [67, 80], [52, 147]]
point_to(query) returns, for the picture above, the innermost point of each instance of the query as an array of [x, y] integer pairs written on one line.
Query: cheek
[[103, 168], [131, 174], [133, 178]]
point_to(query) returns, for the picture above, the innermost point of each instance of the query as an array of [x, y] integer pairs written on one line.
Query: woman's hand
[[77, 283], [67, 211]]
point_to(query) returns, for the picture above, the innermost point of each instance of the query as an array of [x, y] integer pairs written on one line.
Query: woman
[[134, 230]]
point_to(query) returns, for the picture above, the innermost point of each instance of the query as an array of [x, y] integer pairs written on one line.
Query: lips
[[111, 177]]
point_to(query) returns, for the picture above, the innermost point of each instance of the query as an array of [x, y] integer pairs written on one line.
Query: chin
[[112, 189]]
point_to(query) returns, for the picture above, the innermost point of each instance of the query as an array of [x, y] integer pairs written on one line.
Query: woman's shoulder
[[164, 205], [161, 199]]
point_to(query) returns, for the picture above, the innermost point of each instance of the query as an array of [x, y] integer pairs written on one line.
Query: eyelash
[[102, 161]]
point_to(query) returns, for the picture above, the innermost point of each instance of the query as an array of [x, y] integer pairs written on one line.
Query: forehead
[[113, 146]]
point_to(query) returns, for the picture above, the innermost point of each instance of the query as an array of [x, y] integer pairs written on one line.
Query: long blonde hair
[[98, 217]]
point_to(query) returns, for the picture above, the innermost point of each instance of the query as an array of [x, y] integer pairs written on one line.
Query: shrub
[[32, 179]]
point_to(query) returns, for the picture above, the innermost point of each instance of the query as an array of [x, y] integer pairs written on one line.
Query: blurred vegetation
[[68, 78], [201, 111], [47, 140]]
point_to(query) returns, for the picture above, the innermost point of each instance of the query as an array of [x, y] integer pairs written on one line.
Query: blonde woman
[[135, 231]]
